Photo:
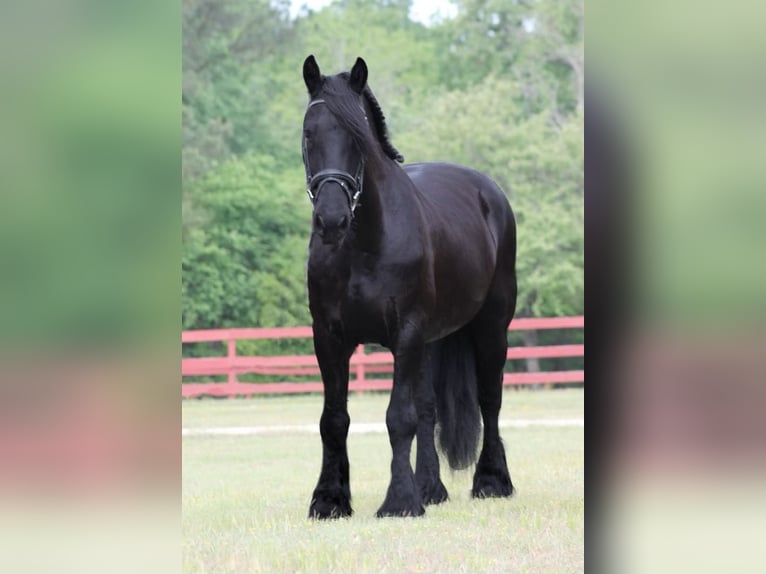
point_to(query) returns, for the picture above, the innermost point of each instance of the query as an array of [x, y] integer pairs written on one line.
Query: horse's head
[[332, 155]]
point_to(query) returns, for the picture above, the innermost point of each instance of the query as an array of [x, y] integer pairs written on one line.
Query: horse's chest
[[363, 308], [363, 301], [363, 295]]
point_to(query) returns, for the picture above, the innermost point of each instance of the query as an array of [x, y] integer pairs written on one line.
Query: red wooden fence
[[362, 363]]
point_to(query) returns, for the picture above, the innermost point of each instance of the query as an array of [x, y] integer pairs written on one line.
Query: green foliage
[[548, 180], [226, 94], [538, 45], [243, 261], [499, 89]]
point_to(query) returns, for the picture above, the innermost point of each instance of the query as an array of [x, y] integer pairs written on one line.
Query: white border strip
[[357, 428]]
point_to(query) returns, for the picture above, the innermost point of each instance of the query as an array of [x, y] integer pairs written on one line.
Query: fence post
[[231, 353], [360, 366]]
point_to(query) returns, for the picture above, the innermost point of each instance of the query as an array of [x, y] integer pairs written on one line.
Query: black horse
[[420, 259]]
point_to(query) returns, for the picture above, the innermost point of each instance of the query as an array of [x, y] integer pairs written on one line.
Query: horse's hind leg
[[427, 465], [489, 329]]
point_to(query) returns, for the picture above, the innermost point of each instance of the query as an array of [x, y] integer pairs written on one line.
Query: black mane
[[380, 125], [343, 102]]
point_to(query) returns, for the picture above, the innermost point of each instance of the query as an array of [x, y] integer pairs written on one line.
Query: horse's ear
[[358, 76], [311, 75]]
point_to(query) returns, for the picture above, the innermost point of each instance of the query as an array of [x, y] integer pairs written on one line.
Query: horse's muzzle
[[331, 229]]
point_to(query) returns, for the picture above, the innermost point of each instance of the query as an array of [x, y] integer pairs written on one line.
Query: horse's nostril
[[343, 222], [319, 221]]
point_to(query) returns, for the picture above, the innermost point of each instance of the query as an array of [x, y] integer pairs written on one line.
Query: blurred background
[[90, 194], [675, 204]]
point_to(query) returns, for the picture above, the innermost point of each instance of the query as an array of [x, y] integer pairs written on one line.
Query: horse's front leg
[[403, 497], [332, 495]]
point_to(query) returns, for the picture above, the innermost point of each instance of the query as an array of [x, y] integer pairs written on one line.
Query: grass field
[[245, 498]]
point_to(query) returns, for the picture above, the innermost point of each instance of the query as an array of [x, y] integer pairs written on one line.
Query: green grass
[[245, 499]]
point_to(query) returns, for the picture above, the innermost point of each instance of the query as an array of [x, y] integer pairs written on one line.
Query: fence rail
[[362, 363]]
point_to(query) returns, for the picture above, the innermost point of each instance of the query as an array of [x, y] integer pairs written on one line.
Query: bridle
[[350, 184]]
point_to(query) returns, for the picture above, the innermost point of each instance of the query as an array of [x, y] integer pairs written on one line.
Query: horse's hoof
[[492, 486], [401, 509], [324, 507], [434, 493], [400, 513]]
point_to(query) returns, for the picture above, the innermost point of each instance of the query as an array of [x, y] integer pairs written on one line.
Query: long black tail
[[457, 406]]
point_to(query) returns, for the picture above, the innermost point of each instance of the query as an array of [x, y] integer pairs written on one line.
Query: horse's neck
[[369, 221], [382, 196]]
